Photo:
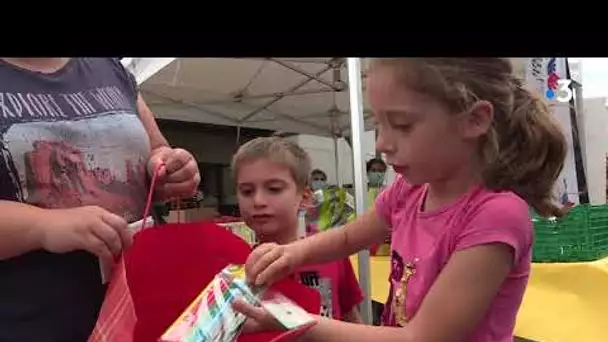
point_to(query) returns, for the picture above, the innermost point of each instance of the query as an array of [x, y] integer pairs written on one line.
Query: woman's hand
[[179, 177], [92, 229], [258, 319]]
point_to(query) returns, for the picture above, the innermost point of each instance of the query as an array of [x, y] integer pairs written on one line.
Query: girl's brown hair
[[525, 148]]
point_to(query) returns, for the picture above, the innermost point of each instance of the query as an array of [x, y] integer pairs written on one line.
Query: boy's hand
[[270, 262], [258, 319], [91, 228]]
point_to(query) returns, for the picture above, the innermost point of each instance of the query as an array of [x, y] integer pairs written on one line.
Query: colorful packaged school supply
[[210, 317]]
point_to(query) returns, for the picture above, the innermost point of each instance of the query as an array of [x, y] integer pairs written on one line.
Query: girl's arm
[[338, 243], [455, 304]]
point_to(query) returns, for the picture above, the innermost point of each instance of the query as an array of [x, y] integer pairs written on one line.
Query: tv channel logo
[[557, 88]]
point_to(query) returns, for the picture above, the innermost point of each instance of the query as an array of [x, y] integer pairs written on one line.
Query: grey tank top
[[67, 139]]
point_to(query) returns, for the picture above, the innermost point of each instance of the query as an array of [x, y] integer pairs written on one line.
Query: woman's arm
[[455, 304], [338, 243], [157, 140], [20, 227], [180, 176]]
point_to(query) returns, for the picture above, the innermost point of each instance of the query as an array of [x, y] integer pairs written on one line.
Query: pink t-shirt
[[423, 242], [337, 285]]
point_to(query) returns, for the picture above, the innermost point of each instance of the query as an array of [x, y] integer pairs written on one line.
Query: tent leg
[[337, 160], [357, 130]]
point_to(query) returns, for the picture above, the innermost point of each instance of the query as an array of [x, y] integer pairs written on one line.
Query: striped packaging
[[210, 316]]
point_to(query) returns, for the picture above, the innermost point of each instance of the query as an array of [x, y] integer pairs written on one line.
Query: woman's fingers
[[177, 159], [98, 247], [185, 173], [110, 237], [120, 226]]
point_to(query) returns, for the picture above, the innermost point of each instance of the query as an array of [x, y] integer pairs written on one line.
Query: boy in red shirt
[[272, 184]]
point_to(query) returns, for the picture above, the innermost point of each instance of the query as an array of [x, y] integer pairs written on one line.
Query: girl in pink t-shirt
[[473, 148]]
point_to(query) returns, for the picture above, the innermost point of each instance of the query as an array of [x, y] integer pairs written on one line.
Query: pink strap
[[151, 195]]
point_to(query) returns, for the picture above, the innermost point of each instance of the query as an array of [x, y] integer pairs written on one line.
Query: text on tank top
[[73, 138]]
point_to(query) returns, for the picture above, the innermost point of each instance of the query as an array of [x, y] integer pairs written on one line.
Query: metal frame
[[241, 96], [357, 130]]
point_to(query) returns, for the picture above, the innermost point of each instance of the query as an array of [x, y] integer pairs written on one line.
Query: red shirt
[[337, 285]]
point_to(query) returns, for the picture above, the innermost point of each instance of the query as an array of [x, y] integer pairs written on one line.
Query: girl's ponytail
[[530, 149], [525, 149]]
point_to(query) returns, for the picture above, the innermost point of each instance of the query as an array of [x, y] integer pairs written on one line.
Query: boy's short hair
[[277, 150]]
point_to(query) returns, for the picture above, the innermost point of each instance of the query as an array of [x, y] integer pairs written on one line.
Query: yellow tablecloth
[[380, 267], [562, 303]]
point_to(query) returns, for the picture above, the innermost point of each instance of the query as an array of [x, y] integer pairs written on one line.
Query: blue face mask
[[317, 184], [375, 178]]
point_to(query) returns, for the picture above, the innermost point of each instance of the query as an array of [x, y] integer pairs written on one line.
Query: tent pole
[[337, 159], [357, 130]]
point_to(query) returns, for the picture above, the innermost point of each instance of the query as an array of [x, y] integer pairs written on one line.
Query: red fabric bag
[[165, 269]]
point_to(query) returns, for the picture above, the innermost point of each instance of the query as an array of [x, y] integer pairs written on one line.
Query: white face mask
[[317, 184], [375, 178]]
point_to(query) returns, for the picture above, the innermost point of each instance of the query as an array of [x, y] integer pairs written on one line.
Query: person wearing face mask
[[376, 174], [332, 205], [318, 179], [376, 171]]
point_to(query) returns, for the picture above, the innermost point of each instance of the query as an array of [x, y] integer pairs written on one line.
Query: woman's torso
[[68, 139]]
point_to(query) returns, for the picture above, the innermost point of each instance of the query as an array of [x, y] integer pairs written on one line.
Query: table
[[380, 268]]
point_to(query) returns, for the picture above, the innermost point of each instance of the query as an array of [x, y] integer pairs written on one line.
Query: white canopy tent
[[286, 95], [292, 95]]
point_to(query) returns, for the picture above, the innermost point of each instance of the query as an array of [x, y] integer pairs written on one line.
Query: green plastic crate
[[581, 235]]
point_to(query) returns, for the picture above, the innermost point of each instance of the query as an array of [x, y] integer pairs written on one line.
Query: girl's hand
[[258, 319], [179, 177], [270, 262]]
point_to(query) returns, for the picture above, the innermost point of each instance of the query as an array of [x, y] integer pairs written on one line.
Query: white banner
[[547, 76]]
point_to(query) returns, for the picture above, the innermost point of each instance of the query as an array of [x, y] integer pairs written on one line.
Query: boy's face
[[269, 200]]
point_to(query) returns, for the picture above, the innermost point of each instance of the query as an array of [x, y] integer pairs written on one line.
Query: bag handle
[[150, 198]]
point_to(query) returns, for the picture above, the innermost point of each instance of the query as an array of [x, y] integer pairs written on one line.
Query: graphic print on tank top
[[66, 149]]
